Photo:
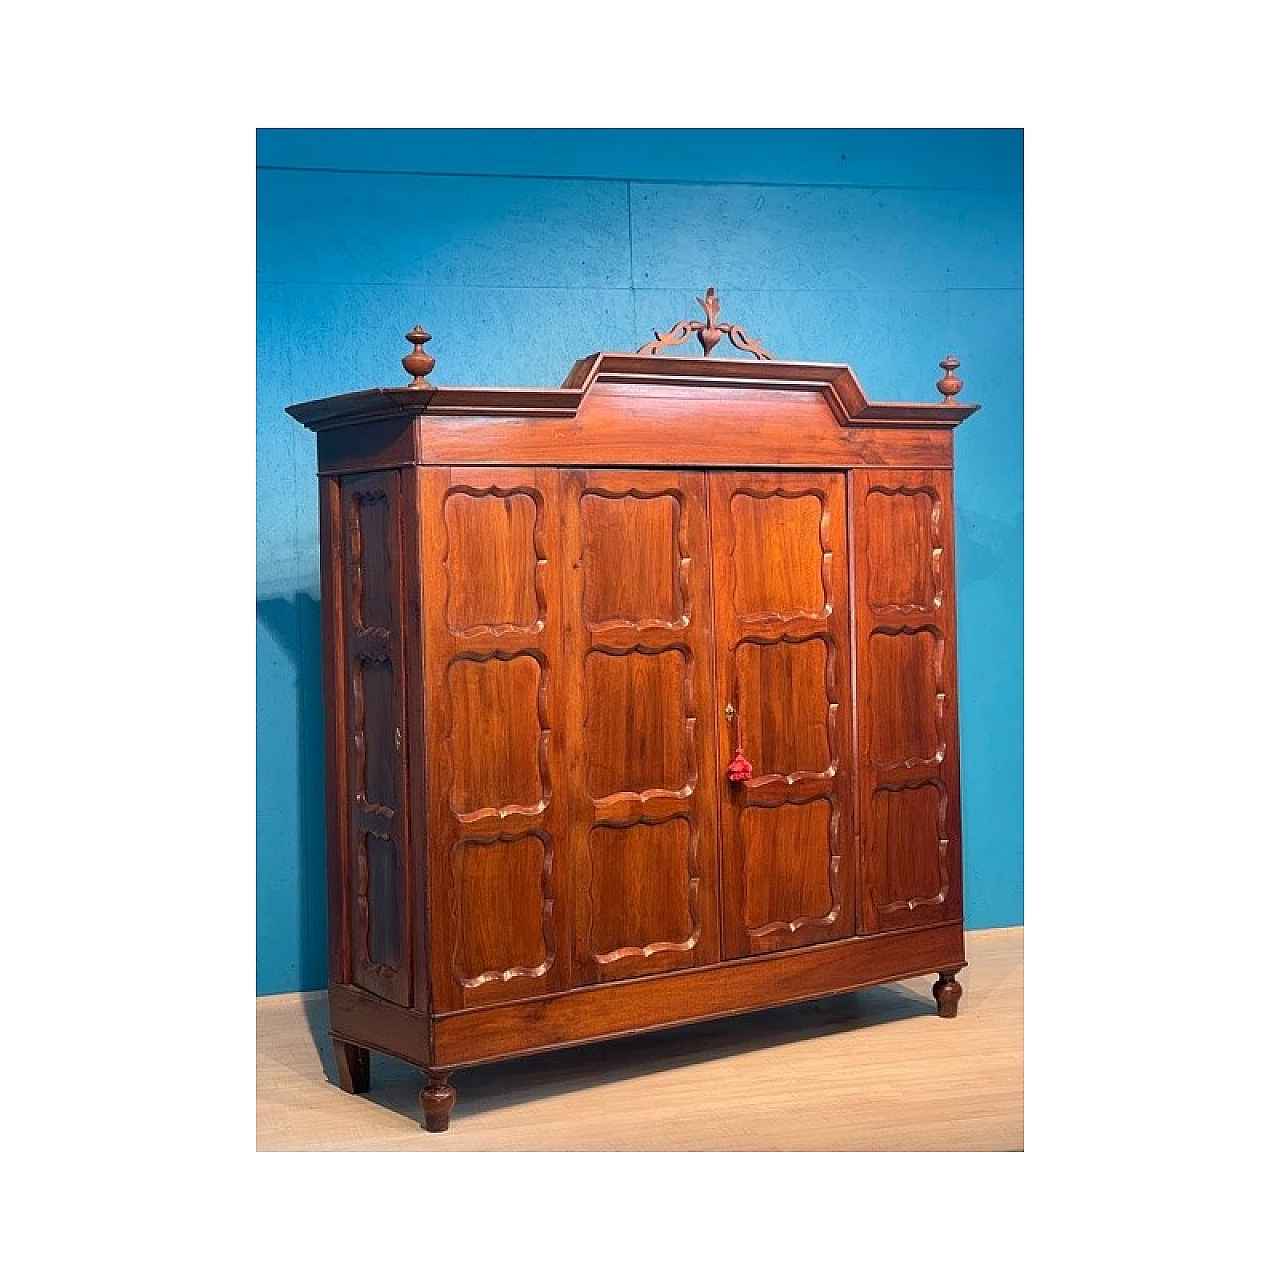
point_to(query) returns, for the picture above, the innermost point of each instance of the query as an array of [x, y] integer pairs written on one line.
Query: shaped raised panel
[[908, 844], [498, 904], [376, 762], [378, 905], [782, 624], [499, 735], [502, 909], [641, 740], [909, 841], [790, 858], [643, 890], [904, 549], [374, 542], [784, 698], [634, 570], [781, 553], [494, 561], [907, 699], [638, 731]]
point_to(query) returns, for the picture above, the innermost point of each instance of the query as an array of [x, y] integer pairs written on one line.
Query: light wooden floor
[[875, 1070]]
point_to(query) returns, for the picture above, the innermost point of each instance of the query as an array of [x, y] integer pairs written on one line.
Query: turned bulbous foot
[[353, 1066], [437, 1102], [947, 992]]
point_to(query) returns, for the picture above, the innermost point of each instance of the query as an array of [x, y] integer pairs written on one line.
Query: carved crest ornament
[[708, 332]]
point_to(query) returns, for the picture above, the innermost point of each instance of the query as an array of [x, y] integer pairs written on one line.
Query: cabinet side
[[333, 664], [376, 880]]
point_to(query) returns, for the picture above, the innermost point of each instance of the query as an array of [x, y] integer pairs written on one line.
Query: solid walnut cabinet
[[560, 627]]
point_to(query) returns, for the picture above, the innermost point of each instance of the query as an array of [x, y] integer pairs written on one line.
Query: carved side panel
[[373, 637], [498, 888], [909, 852], [642, 765], [782, 643]]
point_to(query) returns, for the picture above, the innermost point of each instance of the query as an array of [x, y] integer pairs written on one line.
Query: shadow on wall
[[294, 623]]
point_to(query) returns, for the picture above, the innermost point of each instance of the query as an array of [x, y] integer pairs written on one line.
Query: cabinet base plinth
[[736, 986], [446, 1042]]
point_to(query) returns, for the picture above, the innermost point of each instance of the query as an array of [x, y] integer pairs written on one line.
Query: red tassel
[[740, 770]]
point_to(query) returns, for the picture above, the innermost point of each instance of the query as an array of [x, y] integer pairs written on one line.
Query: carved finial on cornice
[[708, 332], [949, 384], [418, 362]]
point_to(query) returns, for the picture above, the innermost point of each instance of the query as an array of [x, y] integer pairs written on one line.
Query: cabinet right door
[[781, 588], [908, 758]]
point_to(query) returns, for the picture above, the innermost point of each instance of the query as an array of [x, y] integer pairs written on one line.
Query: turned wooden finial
[[418, 362], [949, 384]]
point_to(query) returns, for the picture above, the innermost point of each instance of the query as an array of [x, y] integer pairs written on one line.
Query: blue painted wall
[[522, 250]]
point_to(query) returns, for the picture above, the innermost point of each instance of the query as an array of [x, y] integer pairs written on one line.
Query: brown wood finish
[[373, 640], [497, 855], [738, 986], [334, 666], [353, 1066], [616, 427], [908, 758], [362, 1019], [947, 992], [708, 331], [550, 618], [782, 649], [364, 447], [416, 715], [437, 1102], [642, 769]]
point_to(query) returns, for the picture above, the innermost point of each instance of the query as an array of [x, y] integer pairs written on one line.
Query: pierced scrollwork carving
[[708, 332]]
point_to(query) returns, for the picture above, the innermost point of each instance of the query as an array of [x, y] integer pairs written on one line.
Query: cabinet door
[[782, 653], [641, 764], [909, 855], [498, 894]]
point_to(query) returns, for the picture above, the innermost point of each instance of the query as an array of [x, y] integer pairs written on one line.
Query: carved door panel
[[909, 868], [642, 768], [782, 654], [378, 861], [492, 628]]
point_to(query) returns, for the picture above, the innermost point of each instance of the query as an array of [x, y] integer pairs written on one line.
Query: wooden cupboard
[[640, 701]]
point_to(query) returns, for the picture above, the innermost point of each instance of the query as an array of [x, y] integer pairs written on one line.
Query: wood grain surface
[[640, 705]]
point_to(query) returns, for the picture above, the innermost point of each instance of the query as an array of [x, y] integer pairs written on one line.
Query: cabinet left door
[[497, 861]]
